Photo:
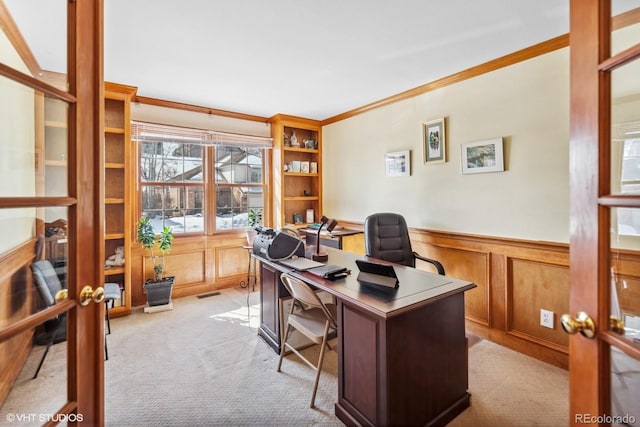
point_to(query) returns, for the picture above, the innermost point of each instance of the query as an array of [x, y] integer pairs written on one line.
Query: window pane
[[238, 165], [233, 204], [179, 207], [170, 161]]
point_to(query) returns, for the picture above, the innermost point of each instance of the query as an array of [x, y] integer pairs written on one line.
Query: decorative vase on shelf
[[294, 140]]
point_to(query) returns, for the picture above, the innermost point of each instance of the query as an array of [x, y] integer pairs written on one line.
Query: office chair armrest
[[437, 264]]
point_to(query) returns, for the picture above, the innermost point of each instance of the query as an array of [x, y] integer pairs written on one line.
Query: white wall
[[527, 104]]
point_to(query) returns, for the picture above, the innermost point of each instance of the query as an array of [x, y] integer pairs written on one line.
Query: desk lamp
[[331, 224]]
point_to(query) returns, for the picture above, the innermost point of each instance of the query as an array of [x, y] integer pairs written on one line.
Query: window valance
[[142, 131]]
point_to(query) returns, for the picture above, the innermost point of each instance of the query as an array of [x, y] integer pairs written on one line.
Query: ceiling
[[313, 59]]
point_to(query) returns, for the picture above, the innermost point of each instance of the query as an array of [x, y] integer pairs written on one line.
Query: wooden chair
[[315, 321]]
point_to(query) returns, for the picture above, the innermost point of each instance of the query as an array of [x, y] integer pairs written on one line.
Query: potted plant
[[159, 288], [254, 218]]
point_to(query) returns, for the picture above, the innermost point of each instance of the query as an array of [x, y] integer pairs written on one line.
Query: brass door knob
[[616, 325], [87, 294], [580, 323], [61, 295]]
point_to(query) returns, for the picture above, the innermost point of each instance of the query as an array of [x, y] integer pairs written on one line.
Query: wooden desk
[[402, 354], [347, 240]]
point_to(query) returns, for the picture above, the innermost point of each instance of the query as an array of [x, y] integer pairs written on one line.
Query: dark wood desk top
[[416, 287], [334, 233]]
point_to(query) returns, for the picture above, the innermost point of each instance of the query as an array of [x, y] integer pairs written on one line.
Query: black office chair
[[48, 284], [111, 293], [386, 237]]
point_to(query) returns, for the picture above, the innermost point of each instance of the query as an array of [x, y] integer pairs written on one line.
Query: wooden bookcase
[[51, 146], [297, 183], [118, 189]]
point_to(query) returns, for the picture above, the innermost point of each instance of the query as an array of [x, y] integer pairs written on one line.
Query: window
[[176, 181], [628, 218], [172, 185], [238, 183]]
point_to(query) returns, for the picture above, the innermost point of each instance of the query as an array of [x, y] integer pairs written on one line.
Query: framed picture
[[482, 156], [398, 163], [304, 167], [434, 141]]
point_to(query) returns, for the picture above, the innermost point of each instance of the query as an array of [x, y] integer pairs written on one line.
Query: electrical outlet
[[546, 318]]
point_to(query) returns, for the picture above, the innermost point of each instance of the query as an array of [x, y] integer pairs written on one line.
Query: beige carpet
[[202, 364]]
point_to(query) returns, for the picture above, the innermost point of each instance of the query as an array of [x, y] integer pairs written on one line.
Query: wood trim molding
[[35, 84], [120, 88], [625, 19], [197, 109]]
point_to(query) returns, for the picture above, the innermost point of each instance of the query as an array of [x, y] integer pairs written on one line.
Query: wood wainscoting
[[515, 279], [17, 301], [200, 264]]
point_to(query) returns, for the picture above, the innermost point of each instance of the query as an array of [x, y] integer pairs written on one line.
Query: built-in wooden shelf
[[113, 201], [301, 198], [114, 130], [114, 236], [301, 150], [297, 131], [62, 163], [301, 174], [114, 165], [55, 124], [113, 271]]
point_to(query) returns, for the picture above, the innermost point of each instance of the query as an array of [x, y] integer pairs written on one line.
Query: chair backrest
[[40, 247], [46, 280], [303, 293], [386, 237]]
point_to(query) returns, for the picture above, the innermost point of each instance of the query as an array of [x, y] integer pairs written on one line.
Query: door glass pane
[[625, 389], [33, 271], [625, 129], [623, 35], [43, 27], [55, 147], [34, 134], [625, 272], [34, 401]]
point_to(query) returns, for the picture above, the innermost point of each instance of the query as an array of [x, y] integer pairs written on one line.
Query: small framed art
[[482, 156], [398, 163], [434, 141]]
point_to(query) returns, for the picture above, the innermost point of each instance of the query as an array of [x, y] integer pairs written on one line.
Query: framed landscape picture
[[482, 156], [434, 141]]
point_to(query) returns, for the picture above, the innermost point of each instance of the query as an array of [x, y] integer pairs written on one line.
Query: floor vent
[[212, 294]]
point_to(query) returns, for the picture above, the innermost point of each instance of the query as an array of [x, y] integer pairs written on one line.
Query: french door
[[50, 146], [604, 357]]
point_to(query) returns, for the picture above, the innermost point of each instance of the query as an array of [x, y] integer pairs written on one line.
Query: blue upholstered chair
[[48, 285]]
